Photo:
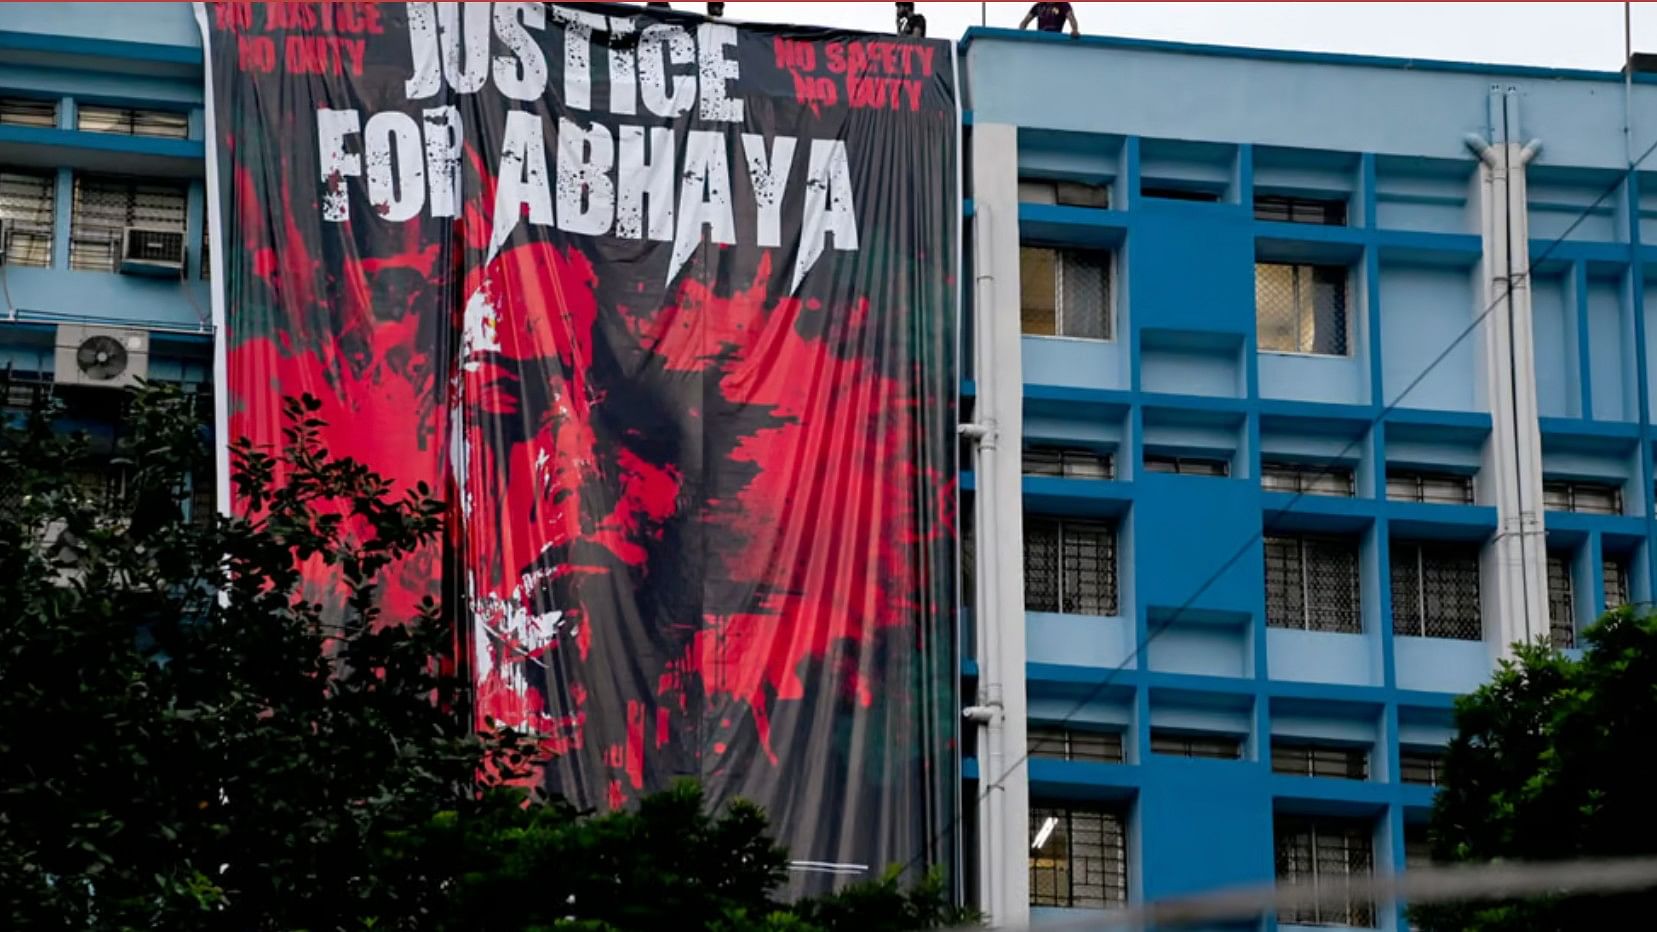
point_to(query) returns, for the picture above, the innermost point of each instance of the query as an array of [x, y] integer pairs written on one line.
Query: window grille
[[1064, 193], [28, 111], [1067, 463], [1184, 744], [1069, 566], [1433, 488], [1593, 498], [104, 207], [1065, 292], [130, 121], [1078, 857], [1301, 308], [1187, 465], [1616, 584], [1561, 602], [1435, 591], [1421, 766], [1285, 208], [27, 204], [1310, 759], [1308, 480], [1056, 742], [1327, 855], [1312, 584]]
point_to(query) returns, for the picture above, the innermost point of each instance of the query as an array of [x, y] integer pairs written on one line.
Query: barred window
[[1435, 591], [1327, 855], [1068, 463], [1069, 566], [1056, 742], [1287, 208], [1190, 744], [1187, 465], [1065, 292], [1065, 193], [1615, 572], [1312, 584], [1301, 308], [1421, 766], [1078, 857], [132, 121], [1308, 480], [1561, 601], [1593, 498], [28, 111], [105, 206], [28, 207], [1434, 488], [1312, 759]]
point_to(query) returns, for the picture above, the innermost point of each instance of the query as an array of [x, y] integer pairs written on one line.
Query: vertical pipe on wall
[[1001, 709]]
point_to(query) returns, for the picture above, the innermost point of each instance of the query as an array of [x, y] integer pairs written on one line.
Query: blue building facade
[[101, 134], [1296, 388], [1302, 386]]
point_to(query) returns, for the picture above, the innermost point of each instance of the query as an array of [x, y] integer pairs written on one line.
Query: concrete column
[[1000, 708]]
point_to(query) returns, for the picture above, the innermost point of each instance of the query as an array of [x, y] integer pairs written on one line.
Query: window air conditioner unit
[[152, 251], [101, 357]]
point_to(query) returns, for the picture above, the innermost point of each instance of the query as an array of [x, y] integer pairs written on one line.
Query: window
[[1327, 855], [1561, 601], [1310, 759], [1187, 465], [1055, 742], [1301, 308], [1174, 192], [1286, 208], [1593, 498], [1420, 766], [1418, 846], [1065, 193], [1069, 566], [127, 121], [1616, 584], [1064, 292], [28, 111], [1078, 857], [1312, 584], [1068, 463], [1186, 744], [1435, 591], [105, 206], [1307, 480], [28, 206], [1434, 488]]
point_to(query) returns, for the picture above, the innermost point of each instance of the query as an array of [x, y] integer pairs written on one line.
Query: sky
[[1568, 35]]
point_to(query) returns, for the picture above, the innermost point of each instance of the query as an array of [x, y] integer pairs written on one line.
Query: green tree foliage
[[1553, 761], [186, 743]]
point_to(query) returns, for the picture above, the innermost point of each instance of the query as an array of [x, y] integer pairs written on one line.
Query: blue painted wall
[[1190, 648]]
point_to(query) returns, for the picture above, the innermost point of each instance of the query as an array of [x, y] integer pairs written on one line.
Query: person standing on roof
[[1051, 17]]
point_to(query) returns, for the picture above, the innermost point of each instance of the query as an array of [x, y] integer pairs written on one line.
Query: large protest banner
[[666, 305]]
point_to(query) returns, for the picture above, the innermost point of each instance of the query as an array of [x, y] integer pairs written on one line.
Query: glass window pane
[[1038, 290], [1274, 307]]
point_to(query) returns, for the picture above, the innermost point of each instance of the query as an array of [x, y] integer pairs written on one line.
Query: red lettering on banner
[[256, 53], [233, 17], [325, 55]]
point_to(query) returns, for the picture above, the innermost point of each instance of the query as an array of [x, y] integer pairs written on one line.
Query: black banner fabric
[[668, 305]]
